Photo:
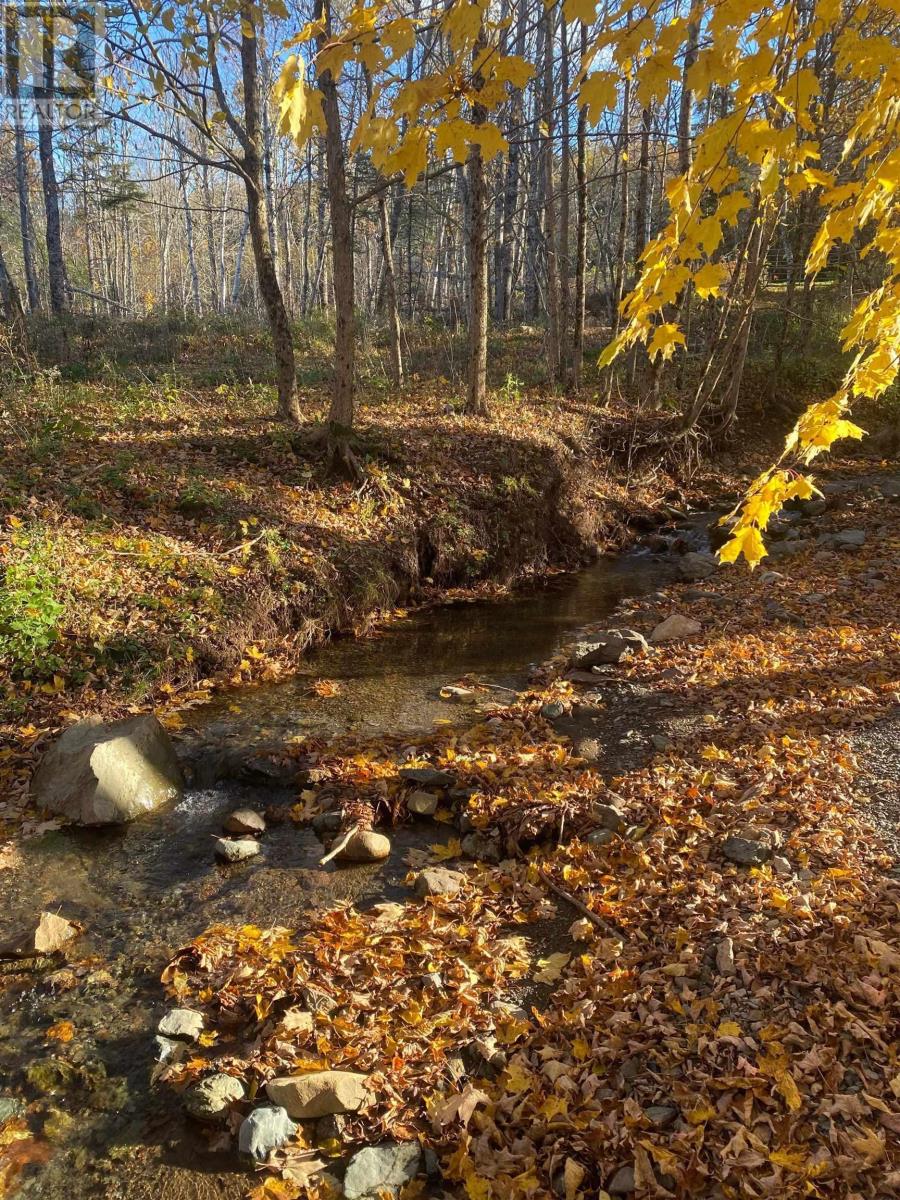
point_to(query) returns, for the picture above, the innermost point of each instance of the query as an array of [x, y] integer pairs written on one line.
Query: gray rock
[[10, 1107], [365, 845], [319, 1093], [105, 774], [697, 565], [746, 852], [589, 749], [437, 881], [661, 1115], [725, 957], [609, 817], [330, 1128], [381, 1168], [427, 776], [787, 549], [167, 1049], [244, 820], [183, 1024], [264, 1130], [423, 804], [622, 1182], [607, 648], [233, 850], [849, 537], [211, 1099], [480, 846], [326, 823], [674, 628], [600, 837]]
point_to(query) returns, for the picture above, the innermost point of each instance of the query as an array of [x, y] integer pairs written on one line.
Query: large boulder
[[105, 774]]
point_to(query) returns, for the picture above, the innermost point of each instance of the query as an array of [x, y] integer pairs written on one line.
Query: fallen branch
[[339, 845]]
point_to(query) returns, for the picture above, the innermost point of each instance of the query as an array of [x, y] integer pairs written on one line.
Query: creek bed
[[145, 889]]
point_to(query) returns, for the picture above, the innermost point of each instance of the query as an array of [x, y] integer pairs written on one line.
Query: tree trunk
[[10, 300], [685, 108], [581, 236], [25, 223], [476, 399], [56, 265], [282, 343], [340, 416], [550, 224]]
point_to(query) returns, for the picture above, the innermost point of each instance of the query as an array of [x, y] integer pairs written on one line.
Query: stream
[[145, 889]]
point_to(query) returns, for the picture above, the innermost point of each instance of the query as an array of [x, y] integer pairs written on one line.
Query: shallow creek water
[[145, 889]]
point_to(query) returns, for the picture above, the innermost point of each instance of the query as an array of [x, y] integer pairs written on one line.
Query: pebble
[[696, 565], [437, 881], [622, 1182], [365, 845], [661, 1115], [725, 957], [212, 1098], [427, 776], [423, 804], [379, 1169], [264, 1130], [674, 628], [746, 851], [244, 820], [600, 837], [182, 1024], [234, 850], [480, 846], [10, 1107], [609, 817]]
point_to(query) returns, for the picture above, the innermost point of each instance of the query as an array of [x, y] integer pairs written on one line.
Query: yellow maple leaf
[[665, 338]]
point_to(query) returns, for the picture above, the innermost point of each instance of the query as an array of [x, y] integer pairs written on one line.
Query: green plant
[[30, 614]]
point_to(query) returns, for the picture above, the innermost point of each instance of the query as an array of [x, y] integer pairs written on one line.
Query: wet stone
[[365, 845], [244, 820], [234, 850]]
